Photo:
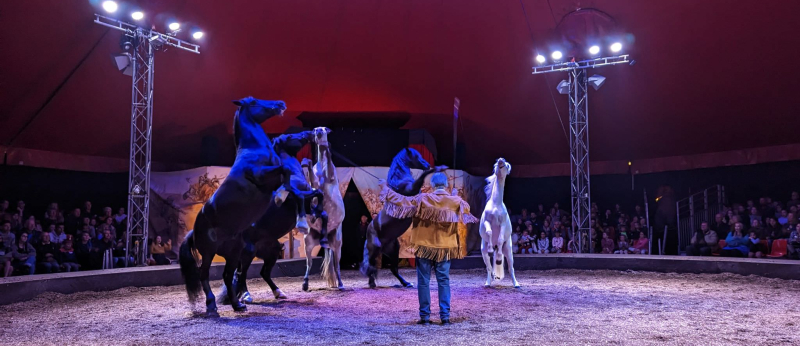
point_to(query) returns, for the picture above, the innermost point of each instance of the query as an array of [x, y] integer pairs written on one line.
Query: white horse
[[324, 177], [495, 226]]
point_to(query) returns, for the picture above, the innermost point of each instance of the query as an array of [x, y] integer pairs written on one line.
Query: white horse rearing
[[324, 177], [495, 226]]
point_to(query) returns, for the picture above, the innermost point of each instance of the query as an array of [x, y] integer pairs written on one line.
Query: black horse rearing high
[[382, 233], [240, 200]]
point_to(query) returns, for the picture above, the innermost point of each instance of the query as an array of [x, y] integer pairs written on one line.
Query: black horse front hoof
[[305, 286], [239, 307], [212, 314], [372, 283], [408, 285]]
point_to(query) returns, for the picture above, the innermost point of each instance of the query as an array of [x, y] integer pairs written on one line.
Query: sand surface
[[557, 307]]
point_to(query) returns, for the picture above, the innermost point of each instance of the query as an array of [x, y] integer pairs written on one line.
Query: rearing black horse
[[240, 200], [382, 233], [280, 218]]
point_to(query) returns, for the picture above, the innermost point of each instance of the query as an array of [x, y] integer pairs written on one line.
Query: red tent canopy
[[711, 76]]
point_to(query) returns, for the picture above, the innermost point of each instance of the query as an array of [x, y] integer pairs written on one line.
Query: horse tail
[[499, 273], [328, 271], [189, 269]]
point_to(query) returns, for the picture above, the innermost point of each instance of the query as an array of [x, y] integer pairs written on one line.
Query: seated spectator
[[640, 246], [557, 243], [53, 215], [5, 258], [47, 255], [68, 258], [24, 255], [58, 237], [755, 226], [100, 248], [623, 230], [72, 222], [607, 244], [108, 225], [88, 229], [29, 227], [107, 214], [783, 219], [519, 226], [757, 249], [526, 243], [736, 243], [547, 228], [118, 254], [622, 245], [158, 251], [793, 244], [120, 219], [698, 241], [84, 252], [543, 244]]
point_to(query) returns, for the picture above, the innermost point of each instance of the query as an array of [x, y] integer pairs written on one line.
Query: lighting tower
[[577, 87], [140, 45]]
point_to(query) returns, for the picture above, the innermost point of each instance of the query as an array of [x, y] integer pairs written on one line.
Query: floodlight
[[540, 59], [594, 50], [563, 87], [138, 15], [616, 47], [122, 62], [174, 26], [110, 6], [597, 81], [557, 55], [197, 35]]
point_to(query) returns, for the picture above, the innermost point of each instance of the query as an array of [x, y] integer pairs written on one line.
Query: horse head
[[259, 110], [502, 168], [321, 136], [292, 143], [413, 159]]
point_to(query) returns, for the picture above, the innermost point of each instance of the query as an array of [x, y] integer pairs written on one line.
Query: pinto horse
[[382, 232], [240, 200], [323, 176], [280, 217], [495, 226]]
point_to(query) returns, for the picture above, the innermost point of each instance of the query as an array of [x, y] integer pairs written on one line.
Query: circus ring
[[564, 299]]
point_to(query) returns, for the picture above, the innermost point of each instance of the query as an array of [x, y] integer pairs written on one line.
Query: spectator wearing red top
[[640, 245]]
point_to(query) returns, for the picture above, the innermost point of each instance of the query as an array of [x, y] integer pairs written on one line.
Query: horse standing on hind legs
[[383, 231], [495, 226], [240, 200], [323, 176], [282, 215]]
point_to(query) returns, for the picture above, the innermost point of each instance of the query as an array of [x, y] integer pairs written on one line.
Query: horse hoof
[[240, 308], [279, 294], [517, 286], [341, 288], [305, 287], [408, 285], [247, 298], [212, 314]]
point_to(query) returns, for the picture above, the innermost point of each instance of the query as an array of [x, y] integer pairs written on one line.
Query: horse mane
[[491, 182]]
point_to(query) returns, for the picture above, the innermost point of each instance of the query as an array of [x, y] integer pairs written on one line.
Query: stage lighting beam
[[557, 55], [138, 15], [110, 6], [540, 59]]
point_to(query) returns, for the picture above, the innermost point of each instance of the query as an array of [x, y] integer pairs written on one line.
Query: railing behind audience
[[696, 209]]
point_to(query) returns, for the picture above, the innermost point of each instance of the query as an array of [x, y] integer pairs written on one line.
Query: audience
[[47, 255], [68, 258], [158, 250], [543, 244], [24, 255], [736, 243]]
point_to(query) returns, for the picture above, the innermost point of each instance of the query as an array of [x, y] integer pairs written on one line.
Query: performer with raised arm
[[434, 238]]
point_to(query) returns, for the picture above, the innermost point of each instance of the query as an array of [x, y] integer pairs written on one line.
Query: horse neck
[[399, 172], [249, 134], [497, 190]]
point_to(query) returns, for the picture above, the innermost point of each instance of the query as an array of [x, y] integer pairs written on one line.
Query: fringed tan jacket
[[434, 231]]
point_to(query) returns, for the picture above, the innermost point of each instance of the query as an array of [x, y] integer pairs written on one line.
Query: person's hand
[[382, 183], [169, 241], [440, 168]]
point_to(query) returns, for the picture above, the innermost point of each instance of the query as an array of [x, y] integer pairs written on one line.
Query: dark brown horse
[[240, 200], [382, 233]]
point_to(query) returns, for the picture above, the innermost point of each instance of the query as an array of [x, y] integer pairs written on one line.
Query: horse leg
[[302, 224], [231, 264], [269, 251], [211, 304], [488, 227], [394, 259], [372, 249], [240, 280], [337, 255], [510, 258], [488, 262], [310, 242]]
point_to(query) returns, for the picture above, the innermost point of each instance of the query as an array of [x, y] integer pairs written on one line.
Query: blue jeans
[[442, 269]]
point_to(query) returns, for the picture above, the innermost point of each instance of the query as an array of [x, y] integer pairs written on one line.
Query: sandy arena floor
[[559, 307]]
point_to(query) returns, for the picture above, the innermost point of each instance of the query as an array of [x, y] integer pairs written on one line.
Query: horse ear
[[237, 102], [327, 130]]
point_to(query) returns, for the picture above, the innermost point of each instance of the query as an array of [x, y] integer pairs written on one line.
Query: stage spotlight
[[563, 87], [174, 26], [110, 6], [138, 15], [540, 59], [123, 63], [557, 55], [597, 81], [594, 50], [616, 47], [197, 35]]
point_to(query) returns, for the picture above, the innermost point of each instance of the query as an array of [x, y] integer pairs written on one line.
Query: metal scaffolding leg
[[579, 158], [141, 131]]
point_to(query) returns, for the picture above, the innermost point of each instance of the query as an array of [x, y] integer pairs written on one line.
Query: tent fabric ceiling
[[710, 75]]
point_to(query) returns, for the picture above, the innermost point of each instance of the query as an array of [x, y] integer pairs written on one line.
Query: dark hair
[[5, 222]]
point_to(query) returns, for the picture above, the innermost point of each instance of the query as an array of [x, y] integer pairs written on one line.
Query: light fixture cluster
[[138, 15], [557, 56]]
